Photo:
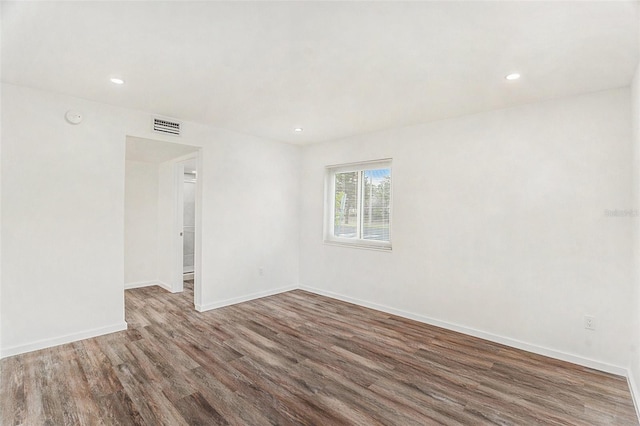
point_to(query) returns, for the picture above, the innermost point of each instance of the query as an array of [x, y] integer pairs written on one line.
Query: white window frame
[[329, 204]]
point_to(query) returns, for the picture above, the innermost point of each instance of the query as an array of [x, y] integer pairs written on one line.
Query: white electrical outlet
[[589, 322], [261, 271]]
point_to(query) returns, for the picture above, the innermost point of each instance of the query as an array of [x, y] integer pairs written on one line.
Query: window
[[358, 204]]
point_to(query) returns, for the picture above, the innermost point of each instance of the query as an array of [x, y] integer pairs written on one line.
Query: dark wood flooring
[[296, 358]]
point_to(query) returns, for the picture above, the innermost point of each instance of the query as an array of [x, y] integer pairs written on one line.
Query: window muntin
[[359, 204]]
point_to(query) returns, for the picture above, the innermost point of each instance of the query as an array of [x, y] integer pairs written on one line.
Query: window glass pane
[[346, 205], [376, 202]]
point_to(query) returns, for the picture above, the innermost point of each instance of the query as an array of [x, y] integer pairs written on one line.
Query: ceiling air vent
[[166, 126]]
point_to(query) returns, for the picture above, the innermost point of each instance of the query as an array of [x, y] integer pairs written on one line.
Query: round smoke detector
[[73, 117]]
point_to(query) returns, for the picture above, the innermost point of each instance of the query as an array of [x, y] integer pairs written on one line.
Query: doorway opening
[[187, 203], [189, 220], [162, 216]]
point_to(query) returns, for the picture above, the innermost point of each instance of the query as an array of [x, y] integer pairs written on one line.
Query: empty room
[[320, 213]]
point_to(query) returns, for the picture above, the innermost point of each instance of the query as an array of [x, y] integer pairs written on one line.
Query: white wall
[[63, 216], [498, 228], [62, 221], [140, 223], [166, 219], [1, 274], [251, 191], [634, 368]]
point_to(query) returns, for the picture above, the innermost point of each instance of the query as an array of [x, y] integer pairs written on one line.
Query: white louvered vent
[[166, 126]]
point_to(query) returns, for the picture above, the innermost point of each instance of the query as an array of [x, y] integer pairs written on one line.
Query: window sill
[[359, 245]]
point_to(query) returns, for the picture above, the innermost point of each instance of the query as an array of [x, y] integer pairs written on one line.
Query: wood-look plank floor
[[296, 359]]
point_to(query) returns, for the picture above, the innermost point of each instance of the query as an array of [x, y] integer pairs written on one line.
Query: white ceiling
[[333, 68]]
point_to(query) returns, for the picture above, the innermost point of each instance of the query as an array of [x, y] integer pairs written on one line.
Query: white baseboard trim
[[252, 296], [635, 395], [164, 285], [68, 338], [540, 350], [140, 284]]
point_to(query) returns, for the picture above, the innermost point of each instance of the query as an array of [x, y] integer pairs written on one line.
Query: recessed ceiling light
[[297, 129], [116, 80], [513, 76]]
